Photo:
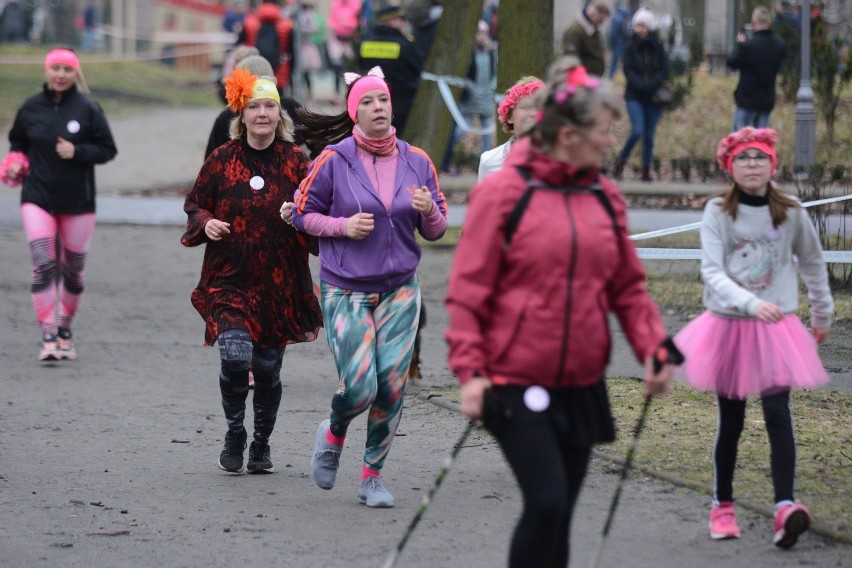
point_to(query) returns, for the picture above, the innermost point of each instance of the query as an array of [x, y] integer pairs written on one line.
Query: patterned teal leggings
[[371, 336]]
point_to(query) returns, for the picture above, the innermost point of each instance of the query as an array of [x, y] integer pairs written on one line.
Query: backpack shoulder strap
[[514, 217], [599, 192]]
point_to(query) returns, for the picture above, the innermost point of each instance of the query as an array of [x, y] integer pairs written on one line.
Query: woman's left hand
[[421, 199], [286, 212], [656, 383], [64, 148]]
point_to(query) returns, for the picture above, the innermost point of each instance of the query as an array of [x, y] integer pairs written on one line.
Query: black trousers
[[238, 355], [550, 472], [782, 444]]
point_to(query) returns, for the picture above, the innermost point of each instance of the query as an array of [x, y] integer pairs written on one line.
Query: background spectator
[[620, 30], [310, 58], [14, 22], [389, 46], [262, 27], [583, 37], [343, 24], [477, 98], [234, 17], [758, 60], [646, 67]]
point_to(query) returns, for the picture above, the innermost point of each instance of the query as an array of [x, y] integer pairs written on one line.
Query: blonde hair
[[285, 128], [761, 16], [578, 110], [82, 85]]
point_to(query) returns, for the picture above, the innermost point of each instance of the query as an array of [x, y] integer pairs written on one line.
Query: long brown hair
[[320, 130], [779, 202]]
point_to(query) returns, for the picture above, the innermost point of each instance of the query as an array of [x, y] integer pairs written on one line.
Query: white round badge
[[73, 126], [256, 183], [536, 399]]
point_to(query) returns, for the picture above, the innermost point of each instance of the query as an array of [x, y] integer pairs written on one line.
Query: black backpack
[[514, 218], [268, 43]]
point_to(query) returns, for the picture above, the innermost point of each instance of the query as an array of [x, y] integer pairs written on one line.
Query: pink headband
[[64, 56], [763, 139], [516, 93], [374, 79]]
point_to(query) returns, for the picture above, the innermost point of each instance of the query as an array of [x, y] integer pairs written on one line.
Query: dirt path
[[110, 460]]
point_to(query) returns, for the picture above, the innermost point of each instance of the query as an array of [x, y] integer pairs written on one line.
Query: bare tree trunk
[[430, 124], [526, 45], [692, 13]]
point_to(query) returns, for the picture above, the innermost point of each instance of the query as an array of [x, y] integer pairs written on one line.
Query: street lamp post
[[805, 111]]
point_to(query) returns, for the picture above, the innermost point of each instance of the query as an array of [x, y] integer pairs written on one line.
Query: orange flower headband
[[242, 87]]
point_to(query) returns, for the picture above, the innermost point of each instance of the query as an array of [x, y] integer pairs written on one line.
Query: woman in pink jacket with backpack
[[543, 259]]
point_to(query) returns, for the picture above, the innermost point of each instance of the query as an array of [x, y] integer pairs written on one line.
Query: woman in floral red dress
[[255, 293]]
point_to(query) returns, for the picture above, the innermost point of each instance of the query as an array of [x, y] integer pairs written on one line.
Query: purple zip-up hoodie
[[337, 185]]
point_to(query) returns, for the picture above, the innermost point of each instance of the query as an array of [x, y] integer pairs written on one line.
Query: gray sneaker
[[326, 458], [372, 494]]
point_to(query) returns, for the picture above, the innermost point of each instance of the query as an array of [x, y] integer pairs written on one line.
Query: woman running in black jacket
[[57, 138]]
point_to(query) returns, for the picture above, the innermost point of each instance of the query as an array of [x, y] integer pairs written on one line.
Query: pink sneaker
[[251, 379], [790, 522], [723, 521]]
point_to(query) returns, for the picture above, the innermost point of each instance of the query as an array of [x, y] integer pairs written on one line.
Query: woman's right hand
[[14, 170], [767, 312], [360, 225], [216, 229], [471, 394]]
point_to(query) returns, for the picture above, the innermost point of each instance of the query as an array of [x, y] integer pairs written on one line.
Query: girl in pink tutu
[[749, 341]]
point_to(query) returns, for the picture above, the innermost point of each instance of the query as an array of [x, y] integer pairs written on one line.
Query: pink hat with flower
[[763, 139]]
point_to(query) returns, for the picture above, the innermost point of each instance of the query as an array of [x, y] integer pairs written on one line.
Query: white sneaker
[[326, 458], [373, 494], [49, 348]]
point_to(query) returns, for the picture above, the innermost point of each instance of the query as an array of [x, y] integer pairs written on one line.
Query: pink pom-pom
[[14, 159]]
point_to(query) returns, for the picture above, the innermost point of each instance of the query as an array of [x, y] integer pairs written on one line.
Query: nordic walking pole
[[667, 353], [628, 463], [424, 503]]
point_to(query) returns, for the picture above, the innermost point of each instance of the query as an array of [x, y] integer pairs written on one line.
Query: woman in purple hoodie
[[364, 197]]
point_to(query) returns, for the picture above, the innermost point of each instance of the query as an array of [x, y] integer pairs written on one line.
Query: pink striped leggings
[[75, 234]]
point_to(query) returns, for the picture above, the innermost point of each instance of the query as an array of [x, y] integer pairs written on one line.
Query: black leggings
[[782, 445], [550, 474], [238, 355]]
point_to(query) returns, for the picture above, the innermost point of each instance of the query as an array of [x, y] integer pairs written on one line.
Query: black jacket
[[645, 66], [758, 61], [401, 62], [54, 184]]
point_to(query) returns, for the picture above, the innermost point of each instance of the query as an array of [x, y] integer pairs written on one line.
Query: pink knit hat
[[763, 139]]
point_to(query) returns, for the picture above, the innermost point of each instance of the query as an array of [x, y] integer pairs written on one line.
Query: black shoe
[[231, 458], [259, 459]]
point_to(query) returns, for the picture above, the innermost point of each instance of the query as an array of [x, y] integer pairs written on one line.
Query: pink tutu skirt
[[737, 358]]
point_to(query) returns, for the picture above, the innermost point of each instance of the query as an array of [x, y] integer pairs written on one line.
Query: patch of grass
[[678, 442], [695, 129], [449, 240], [122, 88], [679, 434]]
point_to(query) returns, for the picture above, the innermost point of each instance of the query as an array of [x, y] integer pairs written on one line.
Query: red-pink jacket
[[537, 313]]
